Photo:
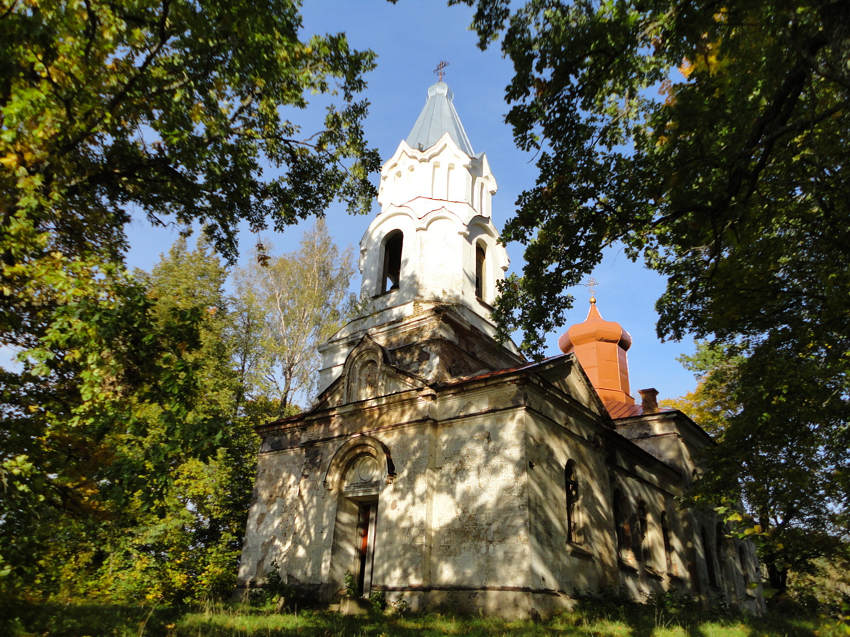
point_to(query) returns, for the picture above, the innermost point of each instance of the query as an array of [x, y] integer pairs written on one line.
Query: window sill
[[387, 293], [579, 551], [651, 572], [628, 565], [484, 303]]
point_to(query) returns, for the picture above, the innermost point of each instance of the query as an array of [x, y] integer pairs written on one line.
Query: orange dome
[[594, 329], [600, 347]]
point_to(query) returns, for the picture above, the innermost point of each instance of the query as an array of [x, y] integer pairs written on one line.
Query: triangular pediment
[[566, 375], [367, 373]]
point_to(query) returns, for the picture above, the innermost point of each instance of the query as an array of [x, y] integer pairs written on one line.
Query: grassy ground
[[590, 619]]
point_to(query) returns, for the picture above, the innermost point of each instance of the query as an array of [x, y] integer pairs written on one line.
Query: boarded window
[[571, 491], [665, 536], [709, 559], [742, 558], [480, 255], [639, 531], [719, 537], [720, 545], [392, 261], [622, 525]]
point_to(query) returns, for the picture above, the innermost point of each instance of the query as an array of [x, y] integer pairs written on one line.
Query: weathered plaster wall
[[454, 516], [471, 501], [584, 565], [479, 508]]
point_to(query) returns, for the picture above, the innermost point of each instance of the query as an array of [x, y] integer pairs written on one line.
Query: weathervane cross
[[441, 69], [591, 284]]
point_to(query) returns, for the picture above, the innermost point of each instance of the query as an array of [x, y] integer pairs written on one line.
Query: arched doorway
[[360, 468]]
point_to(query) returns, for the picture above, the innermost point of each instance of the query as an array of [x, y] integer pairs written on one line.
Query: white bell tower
[[434, 243], [434, 239]]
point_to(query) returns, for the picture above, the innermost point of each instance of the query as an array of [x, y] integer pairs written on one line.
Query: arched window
[[742, 558], [709, 559], [621, 522], [571, 491], [665, 536], [392, 261], [639, 534], [480, 256]]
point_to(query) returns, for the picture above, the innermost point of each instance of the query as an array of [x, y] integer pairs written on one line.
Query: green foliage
[[130, 475], [128, 457], [710, 139], [125, 456], [350, 587], [274, 583], [378, 600], [66, 412], [825, 588], [177, 108], [780, 469], [184, 546], [710, 405], [706, 137], [399, 607]]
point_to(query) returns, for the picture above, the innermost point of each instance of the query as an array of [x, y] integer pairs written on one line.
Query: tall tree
[[710, 138], [295, 302], [185, 112], [126, 471], [184, 544], [102, 393], [782, 468], [182, 109]]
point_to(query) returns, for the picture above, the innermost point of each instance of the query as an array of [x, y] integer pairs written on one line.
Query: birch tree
[[295, 302]]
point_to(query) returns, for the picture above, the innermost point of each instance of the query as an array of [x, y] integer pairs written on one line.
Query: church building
[[441, 467]]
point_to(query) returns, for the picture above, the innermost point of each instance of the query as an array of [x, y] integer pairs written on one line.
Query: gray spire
[[437, 117]]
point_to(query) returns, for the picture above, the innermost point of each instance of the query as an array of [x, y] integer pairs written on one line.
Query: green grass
[[590, 619]]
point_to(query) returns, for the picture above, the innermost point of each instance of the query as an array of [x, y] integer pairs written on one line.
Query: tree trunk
[[777, 576]]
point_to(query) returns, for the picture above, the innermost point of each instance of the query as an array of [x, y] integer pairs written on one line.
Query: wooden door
[[366, 520]]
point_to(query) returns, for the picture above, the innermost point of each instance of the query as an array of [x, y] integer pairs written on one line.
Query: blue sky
[[410, 38]]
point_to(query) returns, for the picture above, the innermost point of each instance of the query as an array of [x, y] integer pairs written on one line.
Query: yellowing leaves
[[9, 160], [706, 60], [196, 112]]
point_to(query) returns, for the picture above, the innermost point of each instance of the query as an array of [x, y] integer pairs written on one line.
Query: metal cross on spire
[[441, 69], [591, 283]]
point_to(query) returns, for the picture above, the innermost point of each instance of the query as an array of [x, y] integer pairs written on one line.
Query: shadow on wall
[[461, 490], [454, 514]]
